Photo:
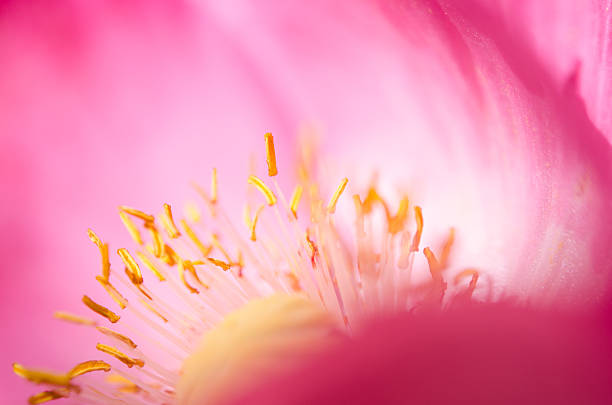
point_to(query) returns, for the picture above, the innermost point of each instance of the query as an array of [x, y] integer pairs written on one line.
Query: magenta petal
[[567, 36], [475, 355]]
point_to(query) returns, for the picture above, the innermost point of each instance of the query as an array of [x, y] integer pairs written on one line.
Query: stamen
[[214, 187], [131, 227], [158, 243], [254, 222], [150, 308], [149, 265], [169, 224], [270, 155], [143, 291], [105, 312], [193, 212], [137, 213], [219, 263], [434, 264], [417, 236], [214, 239], [188, 265], [103, 247], [46, 396], [125, 385], [405, 252], [88, 367], [447, 248], [117, 335], [295, 199], [182, 269], [68, 317], [132, 268], [371, 198], [331, 207], [112, 291], [170, 257], [94, 238], [41, 377], [265, 190], [466, 273], [397, 223], [205, 250], [128, 361]]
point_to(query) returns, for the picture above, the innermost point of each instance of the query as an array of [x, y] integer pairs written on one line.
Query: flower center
[[201, 267]]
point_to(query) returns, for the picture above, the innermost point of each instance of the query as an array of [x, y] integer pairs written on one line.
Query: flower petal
[[567, 37], [474, 355]]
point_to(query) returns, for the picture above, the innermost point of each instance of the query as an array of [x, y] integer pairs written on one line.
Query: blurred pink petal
[[476, 355], [569, 38]]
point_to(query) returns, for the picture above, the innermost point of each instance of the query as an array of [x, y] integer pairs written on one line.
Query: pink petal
[[476, 355], [567, 37]]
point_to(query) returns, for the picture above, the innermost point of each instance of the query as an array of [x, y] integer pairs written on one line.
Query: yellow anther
[[214, 187], [149, 265], [122, 338], [112, 291], [168, 222], [193, 212], [65, 316], [103, 248], [125, 385], [372, 198], [170, 257], [331, 207], [205, 250], [466, 273], [88, 367], [158, 243], [94, 238], [271, 155], [254, 222], [189, 266], [128, 361], [295, 199], [246, 215], [137, 213], [181, 268], [132, 268], [473, 281], [105, 312], [219, 263], [447, 248], [131, 227], [267, 193], [397, 223], [416, 240], [434, 264], [41, 377], [46, 396]]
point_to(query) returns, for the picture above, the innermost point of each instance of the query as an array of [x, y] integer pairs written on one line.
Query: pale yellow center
[[265, 337]]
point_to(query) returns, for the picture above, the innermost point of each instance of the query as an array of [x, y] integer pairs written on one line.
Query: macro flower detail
[[465, 157], [202, 267]]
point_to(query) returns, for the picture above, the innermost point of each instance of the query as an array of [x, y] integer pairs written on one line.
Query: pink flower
[[488, 130]]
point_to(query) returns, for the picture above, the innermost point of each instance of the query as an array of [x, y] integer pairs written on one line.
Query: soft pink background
[[103, 103]]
